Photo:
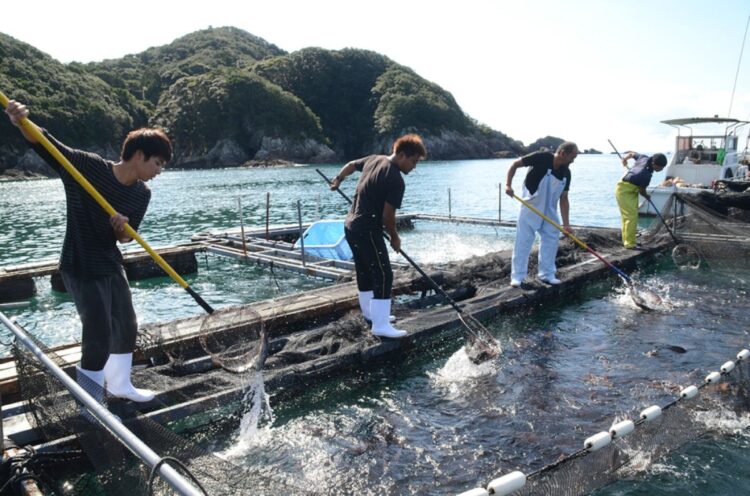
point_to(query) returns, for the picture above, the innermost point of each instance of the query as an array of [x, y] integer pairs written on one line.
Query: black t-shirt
[[90, 245], [380, 182], [540, 163]]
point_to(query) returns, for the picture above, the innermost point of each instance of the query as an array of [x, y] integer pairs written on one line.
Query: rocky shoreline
[[20, 175], [15, 174]]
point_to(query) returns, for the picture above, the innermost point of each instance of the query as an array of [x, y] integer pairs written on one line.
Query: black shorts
[[105, 307]]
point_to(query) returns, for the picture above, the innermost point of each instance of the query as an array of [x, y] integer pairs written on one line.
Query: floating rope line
[[516, 482]]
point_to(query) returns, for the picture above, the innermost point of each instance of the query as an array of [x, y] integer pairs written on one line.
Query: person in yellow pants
[[635, 182]]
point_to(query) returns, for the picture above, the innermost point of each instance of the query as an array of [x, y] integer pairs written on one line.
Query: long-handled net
[[482, 345], [107, 467]]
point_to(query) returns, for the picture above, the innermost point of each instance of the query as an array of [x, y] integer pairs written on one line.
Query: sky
[[582, 70]]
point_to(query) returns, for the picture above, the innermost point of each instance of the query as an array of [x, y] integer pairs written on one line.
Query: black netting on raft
[[90, 460], [494, 268], [197, 391], [708, 230], [681, 422]]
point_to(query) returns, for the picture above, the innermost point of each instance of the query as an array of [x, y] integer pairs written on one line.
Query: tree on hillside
[[232, 104]]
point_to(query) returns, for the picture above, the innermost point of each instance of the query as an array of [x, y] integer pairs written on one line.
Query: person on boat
[[91, 265], [378, 195], [547, 183], [635, 182]]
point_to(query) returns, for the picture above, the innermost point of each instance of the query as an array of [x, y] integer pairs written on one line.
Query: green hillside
[[232, 104], [80, 107], [225, 95], [148, 74]]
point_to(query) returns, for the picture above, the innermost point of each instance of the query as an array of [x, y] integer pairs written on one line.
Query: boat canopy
[[703, 120]]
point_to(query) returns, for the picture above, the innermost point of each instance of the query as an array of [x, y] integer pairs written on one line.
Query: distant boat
[[701, 159]]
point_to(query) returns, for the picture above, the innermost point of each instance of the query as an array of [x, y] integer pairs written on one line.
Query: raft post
[[499, 202], [268, 209], [301, 234], [449, 204], [242, 227]]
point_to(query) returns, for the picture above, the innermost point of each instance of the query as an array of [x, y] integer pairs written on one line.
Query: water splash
[[458, 370], [725, 421], [257, 411], [654, 293]]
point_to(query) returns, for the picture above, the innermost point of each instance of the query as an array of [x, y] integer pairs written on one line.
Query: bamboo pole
[[301, 234], [242, 226]]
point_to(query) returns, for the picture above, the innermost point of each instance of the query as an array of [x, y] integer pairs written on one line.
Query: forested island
[[228, 98]]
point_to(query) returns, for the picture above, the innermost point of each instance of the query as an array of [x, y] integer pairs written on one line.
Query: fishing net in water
[[200, 388], [680, 422], [235, 339], [709, 228], [87, 459]]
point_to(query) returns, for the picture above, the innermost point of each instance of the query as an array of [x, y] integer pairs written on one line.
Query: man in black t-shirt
[[546, 184], [90, 262], [379, 192]]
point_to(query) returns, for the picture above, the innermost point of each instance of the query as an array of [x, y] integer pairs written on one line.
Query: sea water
[[435, 422]]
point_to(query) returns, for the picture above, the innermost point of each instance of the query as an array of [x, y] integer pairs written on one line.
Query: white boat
[[700, 159]]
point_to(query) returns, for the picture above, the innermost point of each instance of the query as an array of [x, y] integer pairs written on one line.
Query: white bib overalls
[[545, 200]]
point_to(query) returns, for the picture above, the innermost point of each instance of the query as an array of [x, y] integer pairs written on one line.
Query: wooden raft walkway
[[195, 393], [285, 312], [17, 281], [423, 326], [274, 252]]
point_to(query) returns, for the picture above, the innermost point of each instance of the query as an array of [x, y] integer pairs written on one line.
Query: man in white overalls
[[546, 183]]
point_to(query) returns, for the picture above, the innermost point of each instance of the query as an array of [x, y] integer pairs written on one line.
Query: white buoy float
[[651, 413], [597, 441], [621, 429], [727, 367], [689, 392], [508, 483], [713, 377]]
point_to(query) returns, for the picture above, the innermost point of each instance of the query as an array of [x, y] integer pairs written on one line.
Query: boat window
[[701, 150], [683, 146]]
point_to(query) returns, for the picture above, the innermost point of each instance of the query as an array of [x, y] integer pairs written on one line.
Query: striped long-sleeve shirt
[[90, 245]]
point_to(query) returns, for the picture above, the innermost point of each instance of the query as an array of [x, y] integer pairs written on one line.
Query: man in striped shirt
[[90, 262]]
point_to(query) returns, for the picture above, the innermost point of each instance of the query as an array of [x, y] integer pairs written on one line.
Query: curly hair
[[411, 145]]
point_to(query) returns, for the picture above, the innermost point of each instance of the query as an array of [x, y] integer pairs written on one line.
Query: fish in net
[[235, 338]]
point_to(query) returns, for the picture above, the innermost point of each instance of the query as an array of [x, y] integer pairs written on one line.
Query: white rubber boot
[[381, 326], [92, 381], [117, 377], [365, 297]]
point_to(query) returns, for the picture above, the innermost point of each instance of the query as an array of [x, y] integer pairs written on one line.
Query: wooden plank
[[16, 282], [464, 220], [292, 265], [295, 308], [329, 301], [184, 396]]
